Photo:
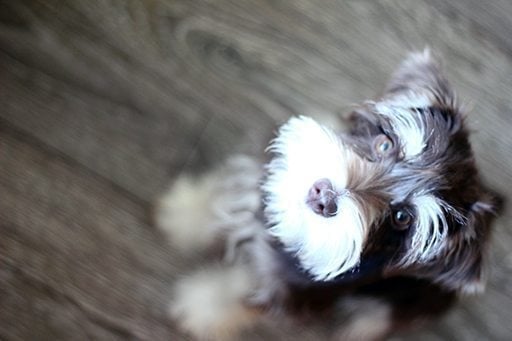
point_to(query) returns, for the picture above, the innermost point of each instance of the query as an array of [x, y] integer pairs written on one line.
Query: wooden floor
[[103, 104]]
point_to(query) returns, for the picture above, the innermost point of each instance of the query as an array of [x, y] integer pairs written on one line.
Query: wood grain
[[105, 103]]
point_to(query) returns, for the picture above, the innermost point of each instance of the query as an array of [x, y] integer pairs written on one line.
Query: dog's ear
[[420, 74], [463, 265]]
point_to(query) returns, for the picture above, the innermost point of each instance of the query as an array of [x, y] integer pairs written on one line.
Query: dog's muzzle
[[319, 201]]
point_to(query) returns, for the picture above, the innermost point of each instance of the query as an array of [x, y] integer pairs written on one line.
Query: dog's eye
[[383, 145], [402, 219]]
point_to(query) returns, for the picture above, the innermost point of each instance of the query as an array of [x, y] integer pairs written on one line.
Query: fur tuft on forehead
[[305, 152], [400, 112], [430, 233]]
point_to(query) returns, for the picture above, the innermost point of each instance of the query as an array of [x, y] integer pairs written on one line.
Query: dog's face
[[400, 185]]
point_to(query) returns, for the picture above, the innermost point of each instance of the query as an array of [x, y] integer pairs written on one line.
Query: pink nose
[[322, 198]]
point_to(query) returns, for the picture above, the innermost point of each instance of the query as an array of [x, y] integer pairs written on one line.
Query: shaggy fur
[[373, 228]]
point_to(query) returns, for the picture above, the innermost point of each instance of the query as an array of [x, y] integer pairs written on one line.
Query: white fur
[[417, 58], [176, 214], [209, 303], [306, 152], [405, 123], [431, 229]]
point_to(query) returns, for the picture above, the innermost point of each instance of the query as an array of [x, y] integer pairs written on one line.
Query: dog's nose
[[322, 198]]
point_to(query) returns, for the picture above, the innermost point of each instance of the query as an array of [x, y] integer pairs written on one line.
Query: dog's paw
[[199, 211], [208, 305], [365, 319], [184, 213]]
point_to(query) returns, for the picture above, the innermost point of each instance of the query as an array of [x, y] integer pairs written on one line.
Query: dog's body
[[370, 229]]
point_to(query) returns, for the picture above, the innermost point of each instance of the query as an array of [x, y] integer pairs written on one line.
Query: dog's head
[[400, 186]]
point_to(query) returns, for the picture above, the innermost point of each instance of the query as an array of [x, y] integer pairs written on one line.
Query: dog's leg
[[219, 206], [197, 212]]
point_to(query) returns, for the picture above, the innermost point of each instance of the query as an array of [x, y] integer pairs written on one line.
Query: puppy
[[368, 230]]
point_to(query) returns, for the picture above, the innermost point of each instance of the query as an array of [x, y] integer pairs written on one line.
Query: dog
[[370, 230]]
